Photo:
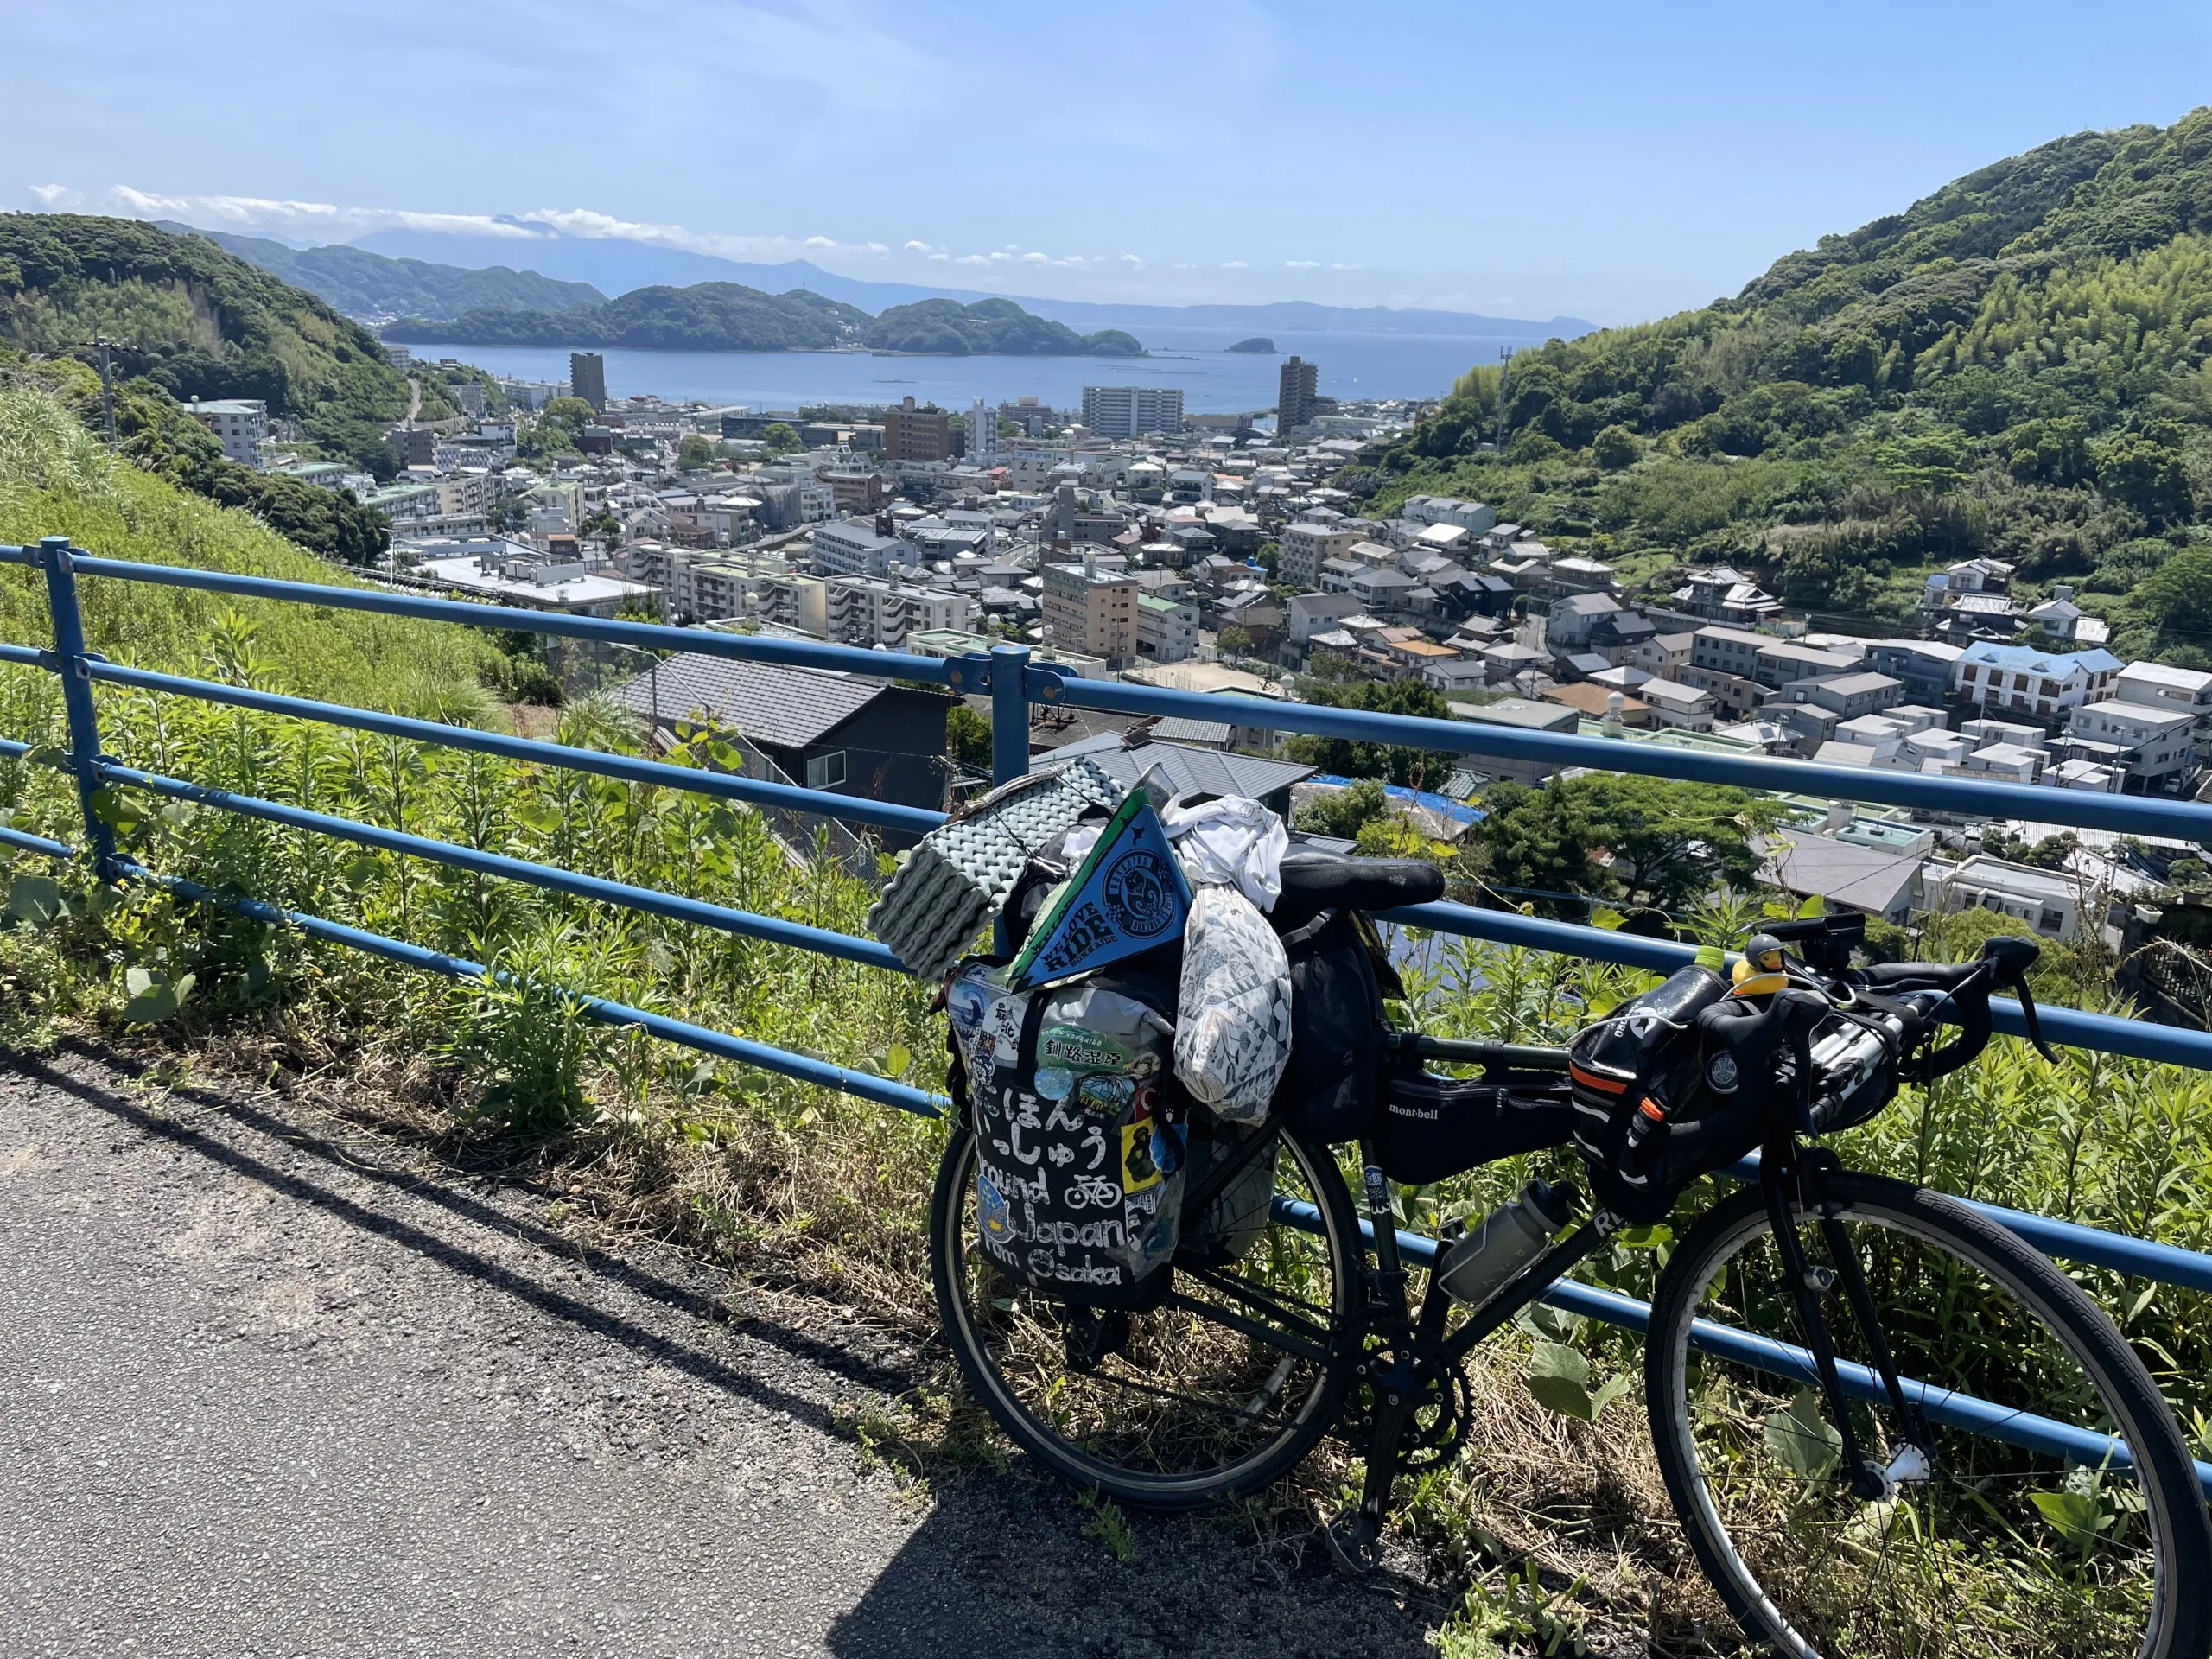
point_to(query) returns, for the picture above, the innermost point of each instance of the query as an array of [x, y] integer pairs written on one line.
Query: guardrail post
[[76, 692], [1009, 713]]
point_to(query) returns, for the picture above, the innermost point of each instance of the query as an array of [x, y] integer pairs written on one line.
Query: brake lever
[[2018, 984]]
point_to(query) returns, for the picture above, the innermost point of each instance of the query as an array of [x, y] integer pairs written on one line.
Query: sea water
[[1213, 381]]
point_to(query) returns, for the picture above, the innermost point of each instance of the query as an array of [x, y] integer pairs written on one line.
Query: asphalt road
[[271, 1387]]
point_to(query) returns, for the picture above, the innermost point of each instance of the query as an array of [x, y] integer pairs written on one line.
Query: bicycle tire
[[949, 1264], [2176, 1605]]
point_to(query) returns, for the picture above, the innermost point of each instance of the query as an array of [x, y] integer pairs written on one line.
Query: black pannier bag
[[1649, 1049], [1079, 1129], [1431, 1129], [1339, 976]]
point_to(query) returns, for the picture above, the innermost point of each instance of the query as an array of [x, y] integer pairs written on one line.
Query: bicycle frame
[[1400, 1390]]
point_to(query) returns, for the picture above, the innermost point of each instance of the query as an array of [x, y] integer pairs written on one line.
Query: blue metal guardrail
[[1015, 683]]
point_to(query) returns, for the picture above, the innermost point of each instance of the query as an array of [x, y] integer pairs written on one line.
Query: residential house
[[866, 738], [2155, 686], [1845, 876], [1681, 706], [2054, 903], [1927, 668], [1568, 627], [1728, 597], [2048, 686], [2158, 745], [1167, 629]]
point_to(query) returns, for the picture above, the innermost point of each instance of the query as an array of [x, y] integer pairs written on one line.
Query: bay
[[1213, 381]]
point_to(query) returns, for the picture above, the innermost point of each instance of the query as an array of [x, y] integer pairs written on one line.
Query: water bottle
[[1504, 1242]]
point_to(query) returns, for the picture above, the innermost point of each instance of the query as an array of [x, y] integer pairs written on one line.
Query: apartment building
[[588, 379], [868, 611], [848, 546], [1302, 549], [917, 432], [1296, 389], [240, 425], [1132, 411], [1167, 629], [1092, 611], [2155, 686]]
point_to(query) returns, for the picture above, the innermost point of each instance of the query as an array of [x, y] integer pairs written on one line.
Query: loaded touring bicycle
[[1173, 1305]]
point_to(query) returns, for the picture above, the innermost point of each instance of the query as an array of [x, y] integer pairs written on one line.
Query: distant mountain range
[[731, 317], [390, 274], [373, 288]]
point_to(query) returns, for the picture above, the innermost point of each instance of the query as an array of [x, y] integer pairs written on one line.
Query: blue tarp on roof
[[1442, 805]]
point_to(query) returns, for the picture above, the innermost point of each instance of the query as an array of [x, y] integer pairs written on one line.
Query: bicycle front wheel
[[2035, 1497], [1212, 1397]]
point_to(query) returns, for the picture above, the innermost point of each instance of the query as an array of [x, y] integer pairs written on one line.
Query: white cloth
[[1232, 842], [1232, 1009]]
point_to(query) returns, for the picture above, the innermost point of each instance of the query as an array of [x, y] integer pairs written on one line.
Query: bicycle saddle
[[1315, 881]]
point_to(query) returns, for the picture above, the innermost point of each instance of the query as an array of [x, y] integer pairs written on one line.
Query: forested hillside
[[704, 317], [946, 327], [372, 287], [199, 322], [2020, 364]]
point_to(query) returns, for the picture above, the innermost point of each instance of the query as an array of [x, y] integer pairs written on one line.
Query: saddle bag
[[1339, 976], [1649, 1051], [1080, 1130]]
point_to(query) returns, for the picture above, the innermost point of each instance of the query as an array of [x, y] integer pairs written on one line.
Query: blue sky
[[1610, 161]]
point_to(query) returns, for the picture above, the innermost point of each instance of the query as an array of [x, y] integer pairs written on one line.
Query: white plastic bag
[[1232, 1016], [1231, 841]]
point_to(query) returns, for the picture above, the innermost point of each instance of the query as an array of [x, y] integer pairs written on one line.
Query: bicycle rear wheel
[[1212, 1397], [2062, 1517]]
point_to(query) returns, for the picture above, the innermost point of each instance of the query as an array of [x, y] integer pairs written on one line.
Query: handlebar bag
[[1649, 1048], [1080, 1130]]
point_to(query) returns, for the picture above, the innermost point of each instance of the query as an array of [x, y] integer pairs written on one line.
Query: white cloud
[[1131, 259], [919, 247], [1233, 264], [321, 217], [1301, 264], [1344, 267], [52, 193]]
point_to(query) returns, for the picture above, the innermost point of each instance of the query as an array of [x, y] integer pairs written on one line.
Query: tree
[[1398, 763], [2179, 592], [1343, 813], [695, 452], [1614, 447], [780, 438], [571, 415], [968, 738], [1234, 642], [2147, 470], [1648, 841]]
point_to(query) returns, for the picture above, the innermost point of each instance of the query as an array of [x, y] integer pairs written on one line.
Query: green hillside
[[2020, 364], [988, 327], [199, 323], [57, 479], [373, 287], [704, 317]]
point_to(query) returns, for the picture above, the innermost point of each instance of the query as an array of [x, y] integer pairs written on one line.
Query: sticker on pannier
[[1079, 1172]]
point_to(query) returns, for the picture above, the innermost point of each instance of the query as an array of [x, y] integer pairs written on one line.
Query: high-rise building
[[912, 433], [1294, 397], [1131, 412], [982, 432], [588, 377]]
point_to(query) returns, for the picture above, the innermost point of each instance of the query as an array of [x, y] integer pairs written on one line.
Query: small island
[[1259, 346]]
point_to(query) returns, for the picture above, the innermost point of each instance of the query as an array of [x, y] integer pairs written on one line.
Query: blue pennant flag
[[1127, 896]]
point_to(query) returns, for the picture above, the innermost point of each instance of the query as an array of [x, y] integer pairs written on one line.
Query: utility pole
[[1504, 368], [107, 382]]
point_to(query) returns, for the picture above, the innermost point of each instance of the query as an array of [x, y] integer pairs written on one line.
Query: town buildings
[[912, 432]]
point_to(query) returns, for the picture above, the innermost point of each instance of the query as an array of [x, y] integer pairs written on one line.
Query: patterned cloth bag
[[1232, 1017]]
